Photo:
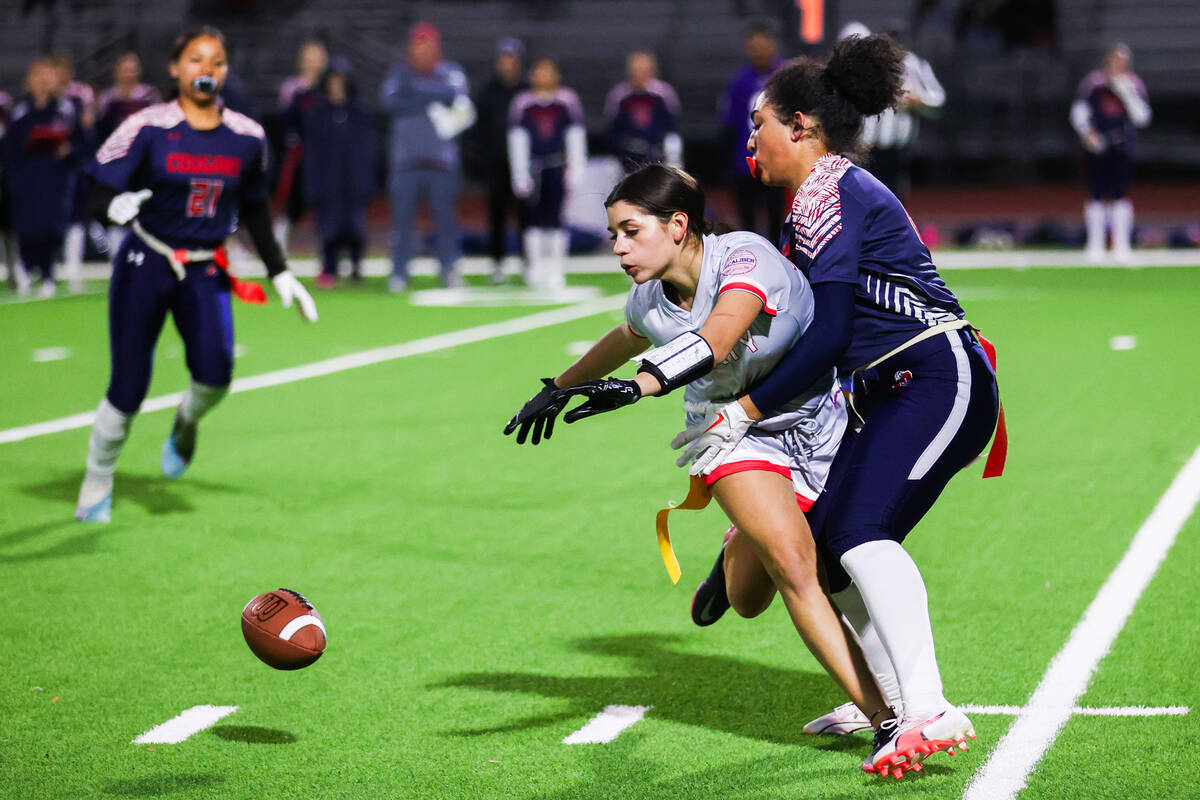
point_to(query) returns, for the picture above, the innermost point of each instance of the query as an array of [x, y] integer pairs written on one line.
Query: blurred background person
[[83, 98], [125, 97], [642, 113], [426, 98], [890, 135], [297, 96], [547, 151], [1110, 104], [490, 146], [762, 52], [339, 170], [18, 281], [42, 151]]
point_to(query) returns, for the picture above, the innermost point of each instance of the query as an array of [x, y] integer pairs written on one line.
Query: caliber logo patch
[[739, 263]]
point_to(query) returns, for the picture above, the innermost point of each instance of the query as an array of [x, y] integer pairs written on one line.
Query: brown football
[[283, 629]]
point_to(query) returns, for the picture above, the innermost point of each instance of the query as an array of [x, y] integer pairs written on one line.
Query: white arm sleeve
[[924, 84], [576, 155], [1081, 117], [1135, 104], [673, 150], [518, 159]]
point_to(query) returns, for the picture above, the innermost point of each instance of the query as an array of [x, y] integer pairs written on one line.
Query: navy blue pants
[[1110, 172], [543, 208], [40, 253], [143, 289], [929, 411]]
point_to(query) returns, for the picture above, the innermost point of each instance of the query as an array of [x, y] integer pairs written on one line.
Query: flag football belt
[[994, 466], [178, 258]]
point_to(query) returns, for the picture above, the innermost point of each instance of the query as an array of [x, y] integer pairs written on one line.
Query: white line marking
[[1104, 711], [189, 722], [341, 363], [1035, 728], [1123, 342], [608, 724], [50, 354]]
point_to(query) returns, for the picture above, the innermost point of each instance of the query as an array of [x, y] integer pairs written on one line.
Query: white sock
[[1122, 229], [1094, 220], [535, 257], [556, 258], [109, 432], [198, 399], [896, 600], [850, 602], [73, 246]]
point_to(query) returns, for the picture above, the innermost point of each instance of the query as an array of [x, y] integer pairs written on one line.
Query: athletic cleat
[[179, 449], [95, 500], [843, 720], [914, 742], [710, 602]]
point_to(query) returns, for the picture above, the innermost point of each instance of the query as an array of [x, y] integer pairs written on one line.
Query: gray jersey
[[746, 262]]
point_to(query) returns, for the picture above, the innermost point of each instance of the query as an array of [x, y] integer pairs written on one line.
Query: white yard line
[[342, 363], [187, 723], [608, 725], [1065, 681], [1104, 711]]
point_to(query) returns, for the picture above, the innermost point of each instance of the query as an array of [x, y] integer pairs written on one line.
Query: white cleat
[[917, 737], [845, 719]]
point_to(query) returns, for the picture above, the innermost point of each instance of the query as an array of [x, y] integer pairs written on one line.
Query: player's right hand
[[537, 415], [124, 207]]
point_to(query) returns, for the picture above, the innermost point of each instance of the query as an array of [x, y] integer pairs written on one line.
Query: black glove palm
[[603, 395], [538, 414]]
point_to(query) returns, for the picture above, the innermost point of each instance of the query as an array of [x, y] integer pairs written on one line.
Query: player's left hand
[[602, 395], [291, 289], [712, 439]]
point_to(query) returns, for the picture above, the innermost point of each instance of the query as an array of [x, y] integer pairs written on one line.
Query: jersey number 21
[[202, 202]]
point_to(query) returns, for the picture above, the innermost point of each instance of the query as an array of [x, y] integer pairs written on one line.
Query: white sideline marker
[[1122, 342], [187, 723], [341, 363], [608, 724], [50, 354], [1053, 702]]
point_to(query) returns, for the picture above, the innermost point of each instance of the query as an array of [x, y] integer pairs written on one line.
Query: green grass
[[484, 600]]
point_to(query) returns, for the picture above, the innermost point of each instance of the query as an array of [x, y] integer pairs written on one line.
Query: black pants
[[500, 200], [749, 194]]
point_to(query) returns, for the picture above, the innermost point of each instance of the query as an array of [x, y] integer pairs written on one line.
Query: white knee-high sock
[[1094, 221], [896, 600], [73, 246], [850, 602], [556, 258], [1122, 229], [198, 399], [109, 432]]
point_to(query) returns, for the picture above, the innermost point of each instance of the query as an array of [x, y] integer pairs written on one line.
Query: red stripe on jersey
[[752, 289]]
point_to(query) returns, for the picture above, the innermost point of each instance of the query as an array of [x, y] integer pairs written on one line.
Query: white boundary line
[[608, 725], [1104, 711], [342, 363], [1053, 702], [185, 724]]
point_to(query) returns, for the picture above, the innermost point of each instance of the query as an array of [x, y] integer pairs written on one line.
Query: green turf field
[[484, 601]]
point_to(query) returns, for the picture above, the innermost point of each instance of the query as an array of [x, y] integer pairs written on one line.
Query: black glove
[[538, 414], [603, 395]]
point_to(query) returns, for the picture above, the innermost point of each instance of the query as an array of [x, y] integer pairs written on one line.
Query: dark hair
[[190, 35], [661, 191], [863, 77]]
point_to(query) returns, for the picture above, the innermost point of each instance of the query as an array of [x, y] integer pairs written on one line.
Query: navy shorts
[[143, 289], [1110, 172], [929, 411], [544, 207]]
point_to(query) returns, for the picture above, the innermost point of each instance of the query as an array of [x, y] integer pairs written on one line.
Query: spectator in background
[[762, 52], [547, 152], [428, 103], [490, 136], [83, 98], [1109, 106], [42, 151], [890, 135], [125, 97], [643, 116], [297, 96], [339, 170], [17, 279]]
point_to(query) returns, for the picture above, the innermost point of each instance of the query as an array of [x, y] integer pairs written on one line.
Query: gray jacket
[[406, 97]]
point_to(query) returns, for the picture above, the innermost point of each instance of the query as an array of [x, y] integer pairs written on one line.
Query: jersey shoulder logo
[[160, 115], [739, 262], [817, 207]]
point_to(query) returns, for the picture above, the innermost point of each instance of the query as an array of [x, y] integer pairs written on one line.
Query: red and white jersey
[[746, 262]]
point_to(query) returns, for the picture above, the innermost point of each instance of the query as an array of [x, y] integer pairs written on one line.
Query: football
[[283, 629]]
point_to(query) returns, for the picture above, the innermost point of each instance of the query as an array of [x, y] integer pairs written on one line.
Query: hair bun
[[867, 71]]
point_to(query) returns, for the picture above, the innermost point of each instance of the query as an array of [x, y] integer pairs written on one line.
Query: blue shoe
[[95, 501], [178, 450]]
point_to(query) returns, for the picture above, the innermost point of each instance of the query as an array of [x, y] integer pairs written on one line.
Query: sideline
[[329, 366]]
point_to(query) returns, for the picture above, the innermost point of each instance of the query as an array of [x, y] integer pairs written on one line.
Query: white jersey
[[746, 262]]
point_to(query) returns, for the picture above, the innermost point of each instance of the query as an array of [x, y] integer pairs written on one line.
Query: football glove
[[602, 395], [291, 289], [124, 207], [537, 415], [712, 439]]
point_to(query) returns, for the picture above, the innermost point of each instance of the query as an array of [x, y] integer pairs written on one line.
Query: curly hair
[[863, 77]]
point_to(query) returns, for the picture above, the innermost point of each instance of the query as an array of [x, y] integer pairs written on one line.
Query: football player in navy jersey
[[183, 174], [921, 388], [643, 114]]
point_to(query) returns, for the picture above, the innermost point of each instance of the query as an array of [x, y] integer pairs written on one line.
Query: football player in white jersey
[[714, 314]]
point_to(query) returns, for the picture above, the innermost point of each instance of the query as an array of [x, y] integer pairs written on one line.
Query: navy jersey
[[546, 118], [198, 177], [42, 151], [1103, 108], [115, 107], [846, 227], [639, 119]]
